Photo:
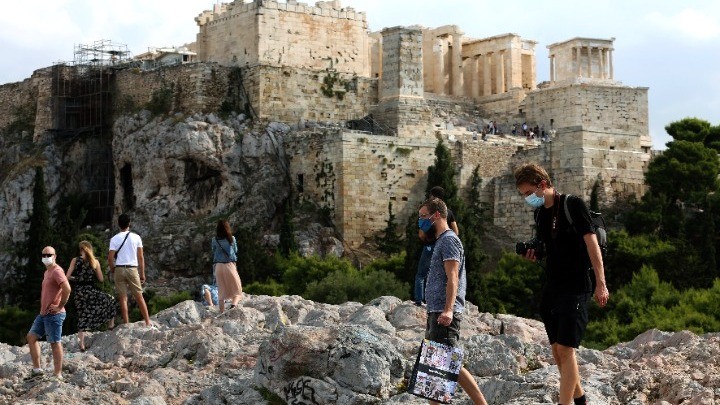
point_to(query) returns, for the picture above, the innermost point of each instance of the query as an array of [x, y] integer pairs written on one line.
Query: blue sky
[[672, 47]]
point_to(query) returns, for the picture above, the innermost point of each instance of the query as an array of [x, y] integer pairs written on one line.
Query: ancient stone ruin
[[362, 112]]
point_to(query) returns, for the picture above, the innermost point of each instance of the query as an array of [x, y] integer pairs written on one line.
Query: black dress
[[94, 306]]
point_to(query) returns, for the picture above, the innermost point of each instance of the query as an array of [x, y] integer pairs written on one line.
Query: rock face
[[176, 175], [311, 353]]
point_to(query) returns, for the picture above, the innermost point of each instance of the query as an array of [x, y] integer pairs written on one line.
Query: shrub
[[351, 284], [14, 325], [297, 272], [513, 288], [269, 287]]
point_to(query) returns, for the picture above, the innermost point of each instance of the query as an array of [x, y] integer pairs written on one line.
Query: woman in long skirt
[[224, 248], [94, 306]]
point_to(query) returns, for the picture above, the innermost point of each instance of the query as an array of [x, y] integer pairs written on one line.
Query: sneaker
[[57, 377], [36, 372]]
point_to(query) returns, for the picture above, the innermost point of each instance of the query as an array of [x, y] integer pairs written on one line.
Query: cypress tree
[[287, 231], [40, 234], [390, 242]]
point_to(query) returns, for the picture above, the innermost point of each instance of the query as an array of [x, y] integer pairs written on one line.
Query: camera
[[536, 244]]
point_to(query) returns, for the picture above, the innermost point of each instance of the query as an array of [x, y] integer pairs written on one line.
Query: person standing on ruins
[[225, 250], [126, 264], [446, 285], [573, 258], [53, 298], [427, 237]]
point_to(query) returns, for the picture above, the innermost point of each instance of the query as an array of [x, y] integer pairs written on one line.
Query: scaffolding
[[82, 99]]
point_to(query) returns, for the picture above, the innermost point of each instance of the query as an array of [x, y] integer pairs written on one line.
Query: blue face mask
[[424, 224], [534, 201]]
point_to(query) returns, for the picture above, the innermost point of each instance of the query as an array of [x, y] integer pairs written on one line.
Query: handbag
[[436, 371]]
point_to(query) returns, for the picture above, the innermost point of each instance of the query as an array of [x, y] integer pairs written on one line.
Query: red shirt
[[51, 292]]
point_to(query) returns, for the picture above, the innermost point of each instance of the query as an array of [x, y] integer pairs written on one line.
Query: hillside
[[312, 353]]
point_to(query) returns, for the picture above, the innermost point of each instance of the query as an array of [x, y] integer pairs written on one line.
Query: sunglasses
[[48, 254]]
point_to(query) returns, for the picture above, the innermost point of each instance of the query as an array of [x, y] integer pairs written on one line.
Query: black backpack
[[598, 226]]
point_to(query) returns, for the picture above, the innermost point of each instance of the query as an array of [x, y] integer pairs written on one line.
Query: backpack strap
[[122, 244], [567, 210], [217, 240]]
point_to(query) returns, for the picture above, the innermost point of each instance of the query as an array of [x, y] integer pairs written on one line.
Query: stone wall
[[576, 160], [290, 34], [291, 94], [195, 87], [31, 96], [402, 107], [601, 107], [357, 174]]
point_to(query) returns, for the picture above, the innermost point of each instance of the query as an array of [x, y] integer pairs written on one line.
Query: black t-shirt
[[567, 257]]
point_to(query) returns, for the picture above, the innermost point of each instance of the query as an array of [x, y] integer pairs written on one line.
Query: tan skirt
[[228, 281]]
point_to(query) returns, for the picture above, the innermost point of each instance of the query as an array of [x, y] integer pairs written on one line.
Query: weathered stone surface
[[321, 353]]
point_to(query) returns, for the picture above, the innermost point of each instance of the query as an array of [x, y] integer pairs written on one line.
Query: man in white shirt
[[127, 266]]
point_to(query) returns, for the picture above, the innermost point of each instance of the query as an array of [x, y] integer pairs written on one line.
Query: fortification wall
[[291, 94], [286, 34], [14, 96], [576, 161], [195, 87], [603, 107], [31, 96], [491, 159], [357, 174]]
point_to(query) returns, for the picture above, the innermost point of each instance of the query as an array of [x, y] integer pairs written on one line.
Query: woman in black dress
[[94, 306]]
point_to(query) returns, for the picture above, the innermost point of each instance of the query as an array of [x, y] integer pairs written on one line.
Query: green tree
[[298, 272], [441, 173], [351, 284], [390, 242], [694, 130], [287, 231], [686, 171], [647, 302], [472, 226], [513, 288], [40, 234]]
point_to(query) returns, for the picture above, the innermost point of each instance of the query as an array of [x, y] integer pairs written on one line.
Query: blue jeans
[[422, 272], [50, 325]]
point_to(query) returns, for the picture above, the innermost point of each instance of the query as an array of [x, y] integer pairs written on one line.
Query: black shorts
[[565, 318], [448, 335]]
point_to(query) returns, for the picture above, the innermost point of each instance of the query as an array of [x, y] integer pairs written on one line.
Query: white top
[[127, 256]]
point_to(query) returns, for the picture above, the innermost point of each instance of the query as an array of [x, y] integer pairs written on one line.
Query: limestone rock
[[299, 351]]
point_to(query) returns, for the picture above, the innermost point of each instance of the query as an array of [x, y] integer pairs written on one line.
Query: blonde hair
[[86, 247]]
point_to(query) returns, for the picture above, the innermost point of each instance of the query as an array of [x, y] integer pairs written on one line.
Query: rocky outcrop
[[176, 175], [311, 353]]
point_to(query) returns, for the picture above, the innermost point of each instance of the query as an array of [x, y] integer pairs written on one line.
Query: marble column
[[610, 62], [577, 61], [589, 51], [475, 69], [457, 73], [500, 72], [601, 52], [487, 78], [439, 79], [552, 68]]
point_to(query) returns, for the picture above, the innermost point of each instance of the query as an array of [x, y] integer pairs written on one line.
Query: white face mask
[[47, 260]]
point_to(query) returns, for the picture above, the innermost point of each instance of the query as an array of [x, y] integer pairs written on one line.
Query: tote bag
[[436, 371]]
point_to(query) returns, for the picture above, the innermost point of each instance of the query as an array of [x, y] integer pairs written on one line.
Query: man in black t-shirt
[[572, 251]]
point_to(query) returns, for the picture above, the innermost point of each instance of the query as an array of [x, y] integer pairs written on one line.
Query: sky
[[671, 47]]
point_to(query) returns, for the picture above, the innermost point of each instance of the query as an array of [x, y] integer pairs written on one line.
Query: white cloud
[[688, 23]]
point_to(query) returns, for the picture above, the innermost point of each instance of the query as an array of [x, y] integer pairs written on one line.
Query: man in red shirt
[[53, 297]]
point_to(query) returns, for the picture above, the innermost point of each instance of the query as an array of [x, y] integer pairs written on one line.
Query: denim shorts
[[213, 294], [48, 325]]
